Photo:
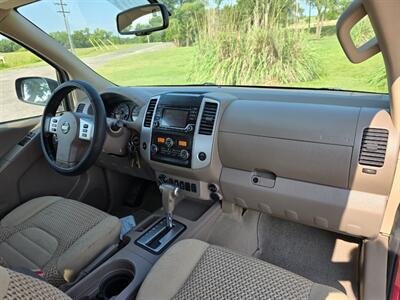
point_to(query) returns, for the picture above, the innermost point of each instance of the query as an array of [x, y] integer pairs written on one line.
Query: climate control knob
[[169, 142], [184, 154], [154, 149]]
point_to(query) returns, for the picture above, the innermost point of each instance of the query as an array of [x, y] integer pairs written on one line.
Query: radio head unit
[[173, 128]]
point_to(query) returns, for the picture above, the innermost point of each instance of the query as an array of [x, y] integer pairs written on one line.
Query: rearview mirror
[[143, 20], [35, 90]]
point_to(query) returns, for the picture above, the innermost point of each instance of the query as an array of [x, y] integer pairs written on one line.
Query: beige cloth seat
[[56, 235], [193, 269], [14, 285]]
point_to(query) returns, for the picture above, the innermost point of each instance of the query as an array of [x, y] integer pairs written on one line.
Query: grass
[[17, 59], [167, 66], [338, 72], [173, 66]]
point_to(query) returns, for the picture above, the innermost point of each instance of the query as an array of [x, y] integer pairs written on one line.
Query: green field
[[173, 66]]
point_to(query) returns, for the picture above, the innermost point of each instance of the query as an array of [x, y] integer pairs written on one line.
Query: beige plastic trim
[[352, 15], [393, 204], [9, 4]]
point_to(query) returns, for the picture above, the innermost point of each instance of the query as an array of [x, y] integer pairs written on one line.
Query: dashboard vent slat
[[208, 118], [150, 112], [373, 147]]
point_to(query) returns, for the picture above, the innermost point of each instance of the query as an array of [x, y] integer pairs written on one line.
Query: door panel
[[25, 174], [13, 132]]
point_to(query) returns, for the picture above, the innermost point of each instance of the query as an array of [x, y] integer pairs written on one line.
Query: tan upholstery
[[15, 285], [193, 269], [56, 235]]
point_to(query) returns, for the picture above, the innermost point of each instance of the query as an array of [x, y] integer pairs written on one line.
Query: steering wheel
[[80, 137]]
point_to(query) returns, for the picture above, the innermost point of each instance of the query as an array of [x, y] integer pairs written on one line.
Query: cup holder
[[114, 284]]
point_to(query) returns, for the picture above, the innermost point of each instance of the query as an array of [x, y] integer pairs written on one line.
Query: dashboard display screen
[[174, 118]]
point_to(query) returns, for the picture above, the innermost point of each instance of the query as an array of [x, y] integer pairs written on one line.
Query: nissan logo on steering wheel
[[65, 127]]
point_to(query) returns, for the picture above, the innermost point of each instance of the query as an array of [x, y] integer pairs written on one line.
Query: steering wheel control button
[[85, 130], [53, 124], [202, 156]]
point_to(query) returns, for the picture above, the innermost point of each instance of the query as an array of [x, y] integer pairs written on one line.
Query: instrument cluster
[[127, 111]]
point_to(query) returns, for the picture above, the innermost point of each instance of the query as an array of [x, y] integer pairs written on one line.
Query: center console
[[173, 129], [178, 130]]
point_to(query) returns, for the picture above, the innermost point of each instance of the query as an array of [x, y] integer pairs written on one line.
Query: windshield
[[289, 43]]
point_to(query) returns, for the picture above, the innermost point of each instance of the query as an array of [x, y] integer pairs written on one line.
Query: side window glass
[[26, 82]]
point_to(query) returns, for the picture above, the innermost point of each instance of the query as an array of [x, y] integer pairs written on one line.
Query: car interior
[[236, 192]]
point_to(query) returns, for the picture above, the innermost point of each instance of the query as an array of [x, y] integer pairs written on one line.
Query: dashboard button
[[169, 142], [202, 156], [189, 128], [184, 154], [154, 149], [212, 188], [187, 186]]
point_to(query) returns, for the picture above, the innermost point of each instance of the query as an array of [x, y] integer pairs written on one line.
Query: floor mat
[[321, 256]]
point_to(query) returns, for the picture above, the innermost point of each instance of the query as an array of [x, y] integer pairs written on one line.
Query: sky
[[85, 13]]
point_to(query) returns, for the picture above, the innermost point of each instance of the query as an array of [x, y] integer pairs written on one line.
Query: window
[[241, 42], [17, 62]]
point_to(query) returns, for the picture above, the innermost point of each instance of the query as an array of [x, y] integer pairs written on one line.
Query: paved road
[[11, 108]]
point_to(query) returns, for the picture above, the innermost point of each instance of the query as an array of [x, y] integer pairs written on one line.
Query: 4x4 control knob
[[154, 149], [169, 142], [184, 154]]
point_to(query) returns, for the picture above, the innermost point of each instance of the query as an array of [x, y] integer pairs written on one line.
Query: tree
[[81, 38], [8, 46], [186, 22], [327, 9], [61, 37]]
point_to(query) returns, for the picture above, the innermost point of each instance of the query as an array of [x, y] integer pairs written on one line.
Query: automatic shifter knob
[[170, 197]]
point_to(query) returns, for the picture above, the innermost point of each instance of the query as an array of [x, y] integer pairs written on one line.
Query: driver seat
[[56, 236]]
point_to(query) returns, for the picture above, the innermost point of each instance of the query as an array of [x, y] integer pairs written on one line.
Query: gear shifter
[[170, 198], [166, 230]]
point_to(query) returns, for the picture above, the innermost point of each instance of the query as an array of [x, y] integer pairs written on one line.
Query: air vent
[[208, 118], [150, 112], [80, 108], [373, 147]]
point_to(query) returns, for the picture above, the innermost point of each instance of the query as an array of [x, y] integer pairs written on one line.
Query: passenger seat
[[193, 269]]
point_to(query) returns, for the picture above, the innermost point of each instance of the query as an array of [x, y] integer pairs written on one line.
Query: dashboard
[[306, 156]]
